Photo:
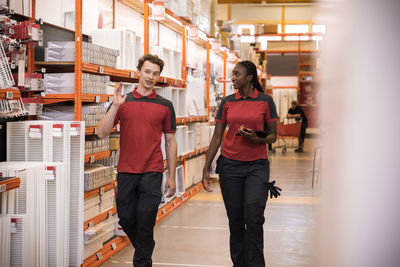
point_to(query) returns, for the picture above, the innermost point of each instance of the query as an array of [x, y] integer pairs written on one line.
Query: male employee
[[296, 112], [143, 117]]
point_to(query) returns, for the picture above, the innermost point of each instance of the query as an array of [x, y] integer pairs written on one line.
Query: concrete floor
[[196, 234]]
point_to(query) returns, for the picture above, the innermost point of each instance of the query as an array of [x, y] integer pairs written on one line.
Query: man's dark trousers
[[244, 187], [138, 198]]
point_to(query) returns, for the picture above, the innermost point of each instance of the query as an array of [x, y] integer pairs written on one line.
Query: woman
[[243, 166]]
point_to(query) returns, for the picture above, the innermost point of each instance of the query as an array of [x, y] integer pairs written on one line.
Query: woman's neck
[[246, 91]]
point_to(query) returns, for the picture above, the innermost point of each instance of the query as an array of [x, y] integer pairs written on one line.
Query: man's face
[[149, 74], [293, 105]]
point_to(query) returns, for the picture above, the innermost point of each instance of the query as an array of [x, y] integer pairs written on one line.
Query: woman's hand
[[206, 180], [249, 134]]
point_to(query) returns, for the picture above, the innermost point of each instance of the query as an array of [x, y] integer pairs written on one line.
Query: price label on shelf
[[99, 256], [110, 214], [131, 74], [97, 99], [101, 69], [118, 128], [101, 191], [110, 99], [113, 246], [193, 32], [158, 11], [92, 159], [91, 224], [2, 188], [9, 95]]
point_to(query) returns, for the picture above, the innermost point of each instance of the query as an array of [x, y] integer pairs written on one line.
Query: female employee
[[243, 166]]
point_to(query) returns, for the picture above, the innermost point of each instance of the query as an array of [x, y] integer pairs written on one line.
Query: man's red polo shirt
[[253, 112], [143, 119]]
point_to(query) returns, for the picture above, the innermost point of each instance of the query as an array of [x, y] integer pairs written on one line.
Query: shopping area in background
[[53, 97]]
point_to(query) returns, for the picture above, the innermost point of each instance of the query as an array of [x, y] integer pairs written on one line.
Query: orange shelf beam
[[99, 218], [307, 64], [92, 131], [108, 250], [97, 156], [9, 184], [97, 191], [190, 155], [10, 94], [178, 201], [92, 98]]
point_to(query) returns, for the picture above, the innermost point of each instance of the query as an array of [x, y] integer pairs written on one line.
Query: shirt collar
[[253, 95], [136, 94]]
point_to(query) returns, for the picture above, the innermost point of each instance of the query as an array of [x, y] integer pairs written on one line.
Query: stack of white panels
[[204, 134], [55, 141], [175, 99], [193, 173], [44, 197], [165, 92], [15, 247], [107, 200], [95, 236], [196, 129], [191, 141], [182, 138], [180, 180], [182, 109], [124, 41], [91, 207]]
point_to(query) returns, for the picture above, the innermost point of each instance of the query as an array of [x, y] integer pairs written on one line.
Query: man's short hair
[[294, 103], [153, 59]]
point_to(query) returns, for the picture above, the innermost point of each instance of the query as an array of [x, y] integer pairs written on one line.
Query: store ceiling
[[264, 2]]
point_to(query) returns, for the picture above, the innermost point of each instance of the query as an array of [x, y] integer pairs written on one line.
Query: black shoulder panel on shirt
[[230, 98]]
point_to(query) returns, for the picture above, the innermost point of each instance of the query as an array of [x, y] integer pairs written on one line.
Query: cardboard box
[[270, 28], [246, 31]]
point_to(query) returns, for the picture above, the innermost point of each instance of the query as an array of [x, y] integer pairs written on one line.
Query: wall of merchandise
[[52, 154]]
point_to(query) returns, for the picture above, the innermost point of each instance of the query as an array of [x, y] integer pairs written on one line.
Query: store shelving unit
[[9, 184], [173, 22]]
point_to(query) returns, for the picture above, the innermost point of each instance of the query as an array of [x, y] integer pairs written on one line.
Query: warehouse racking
[[78, 66]]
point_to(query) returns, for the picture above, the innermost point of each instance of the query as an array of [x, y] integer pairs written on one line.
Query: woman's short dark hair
[[153, 59], [251, 69]]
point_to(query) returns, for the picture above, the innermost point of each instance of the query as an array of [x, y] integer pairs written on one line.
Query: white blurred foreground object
[[359, 105]]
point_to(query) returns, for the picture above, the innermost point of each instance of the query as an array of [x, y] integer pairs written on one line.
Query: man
[[296, 112], [143, 117]]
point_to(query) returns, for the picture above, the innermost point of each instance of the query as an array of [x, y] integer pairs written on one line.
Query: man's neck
[[143, 91]]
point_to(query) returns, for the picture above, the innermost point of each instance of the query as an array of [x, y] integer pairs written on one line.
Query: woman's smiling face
[[239, 77]]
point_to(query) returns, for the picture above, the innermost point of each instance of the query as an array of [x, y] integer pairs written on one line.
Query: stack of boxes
[[95, 146], [91, 53]]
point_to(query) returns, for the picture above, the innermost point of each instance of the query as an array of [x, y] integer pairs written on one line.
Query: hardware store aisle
[[196, 234]]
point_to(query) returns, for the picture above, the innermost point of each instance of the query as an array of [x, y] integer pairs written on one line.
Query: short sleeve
[[221, 113], [169, 123], [273, 116]]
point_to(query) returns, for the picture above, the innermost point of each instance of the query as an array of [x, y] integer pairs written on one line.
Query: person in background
[[143, 117], [296, 112], [243, 166]]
